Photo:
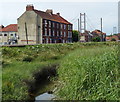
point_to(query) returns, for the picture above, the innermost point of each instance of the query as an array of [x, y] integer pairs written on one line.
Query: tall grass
[[90, 74], [20, 63]]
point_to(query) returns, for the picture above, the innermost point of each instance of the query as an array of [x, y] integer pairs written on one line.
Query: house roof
[[97, 32], [111, 37], [9, 28], [53, 17]]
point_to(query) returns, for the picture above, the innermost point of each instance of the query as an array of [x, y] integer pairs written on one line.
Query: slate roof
[[53, 17]]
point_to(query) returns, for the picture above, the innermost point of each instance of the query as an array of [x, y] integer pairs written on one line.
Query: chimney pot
[[29, 8], [58, 14], [50, 11]]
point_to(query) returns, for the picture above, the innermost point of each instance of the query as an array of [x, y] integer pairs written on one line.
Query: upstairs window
[[61, 26], [5, 34], [64, 26], [53, 24], [49, 23], [57, 25], [45, 23]]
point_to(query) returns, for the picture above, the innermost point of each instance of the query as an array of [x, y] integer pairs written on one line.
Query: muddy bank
[[42, 79]]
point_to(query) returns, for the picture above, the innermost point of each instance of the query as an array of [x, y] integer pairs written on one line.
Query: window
[[64, 26], [64, 34], [69, 34], [45, 31], [61, 26], [63, 41], [53, 33], [49, 32], [53, 24], [61, 33], [49, 23], [45, 23], [57, 25], [0, 34], [11, 34], [15, 34], [5, 34], [57, 33], [50, 40], [47, 40], [55, 41]]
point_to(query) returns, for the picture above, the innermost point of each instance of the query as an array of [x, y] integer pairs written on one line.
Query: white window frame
[[57, 33], [57, 25], [64, 34], [49, 23], [61, 26], [53, 24], [61, 33], [64, 26], [49, 32], [45, 23], [45, 31], [47, 40], [53, 32]]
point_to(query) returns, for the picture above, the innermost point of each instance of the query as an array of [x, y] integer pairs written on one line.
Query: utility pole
[[78, 31], [26, 32], [101, 29]]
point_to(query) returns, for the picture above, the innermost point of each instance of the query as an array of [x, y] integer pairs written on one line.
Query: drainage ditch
[[42, 87]]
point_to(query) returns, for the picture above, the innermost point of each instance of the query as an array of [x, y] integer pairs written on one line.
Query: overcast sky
[[70, 10]]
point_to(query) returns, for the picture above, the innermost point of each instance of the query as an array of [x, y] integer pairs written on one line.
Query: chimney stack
[[58, 14], [29, 8], [50, 11], [1, 26]]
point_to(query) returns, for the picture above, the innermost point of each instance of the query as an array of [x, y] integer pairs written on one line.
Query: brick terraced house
[[37, 27]]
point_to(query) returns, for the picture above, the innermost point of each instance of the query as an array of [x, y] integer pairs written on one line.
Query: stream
[[44, 84], [45, 96]]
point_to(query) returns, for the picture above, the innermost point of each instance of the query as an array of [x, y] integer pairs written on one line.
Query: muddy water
[[45, 96], [43, 87]]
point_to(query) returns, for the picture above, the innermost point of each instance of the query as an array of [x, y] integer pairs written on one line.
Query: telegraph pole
[[78, 31], [26, 32], [101, 29]]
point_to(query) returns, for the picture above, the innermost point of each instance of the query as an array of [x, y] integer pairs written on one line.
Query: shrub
[[27, 59]]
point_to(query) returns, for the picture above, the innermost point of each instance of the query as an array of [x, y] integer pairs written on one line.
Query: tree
[[74, 35], [113, 39], [96, 39]]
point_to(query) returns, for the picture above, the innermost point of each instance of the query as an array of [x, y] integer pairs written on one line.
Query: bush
[[113, 39], [28, 59], [96, 39]]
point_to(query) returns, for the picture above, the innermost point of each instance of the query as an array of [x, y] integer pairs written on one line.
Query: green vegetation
[[74, 35], [96, 39], [113, 39], [19, 65], [90, 74]]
